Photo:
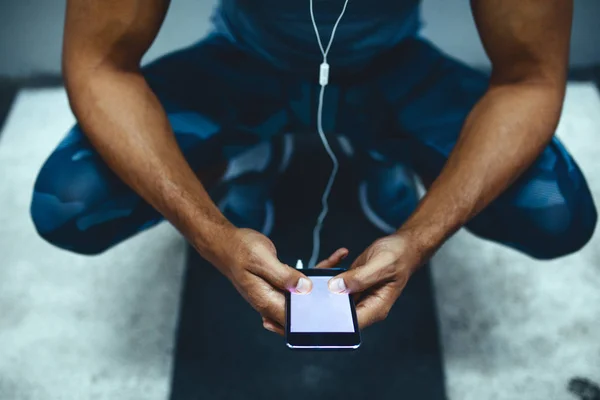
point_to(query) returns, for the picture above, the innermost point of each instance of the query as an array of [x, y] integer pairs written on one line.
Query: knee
[[52, 219], [543, 230], [55, 208], [558, 232], [56, 222]]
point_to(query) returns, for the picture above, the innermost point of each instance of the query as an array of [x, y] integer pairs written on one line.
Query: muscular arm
[[527, 42], [103, 46], [104, 43]]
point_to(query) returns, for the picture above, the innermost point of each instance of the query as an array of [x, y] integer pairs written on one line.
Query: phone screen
[[320, 310]]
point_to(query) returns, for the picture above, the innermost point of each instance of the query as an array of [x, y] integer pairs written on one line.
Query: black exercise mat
[[224, 353]]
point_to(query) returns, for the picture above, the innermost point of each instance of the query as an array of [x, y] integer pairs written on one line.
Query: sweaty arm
[[103, 46], [527, 42]]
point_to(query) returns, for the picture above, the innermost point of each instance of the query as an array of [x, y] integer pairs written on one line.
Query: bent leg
[[547, 213], [80, 205], [219, 102]]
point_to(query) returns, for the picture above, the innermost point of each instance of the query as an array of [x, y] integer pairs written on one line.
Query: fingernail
[[269, 327], [302, 286], [337, 285]]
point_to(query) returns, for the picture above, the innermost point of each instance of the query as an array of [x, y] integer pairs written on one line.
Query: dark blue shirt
[[281, 31]]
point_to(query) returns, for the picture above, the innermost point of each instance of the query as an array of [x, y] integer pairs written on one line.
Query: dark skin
[[527, 42]]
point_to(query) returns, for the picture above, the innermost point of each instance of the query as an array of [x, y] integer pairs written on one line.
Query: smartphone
[[321, 319]]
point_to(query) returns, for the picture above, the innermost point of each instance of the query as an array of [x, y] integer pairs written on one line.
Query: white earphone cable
[[324, 80], [312, 16]]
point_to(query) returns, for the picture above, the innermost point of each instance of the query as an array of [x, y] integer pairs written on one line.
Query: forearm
[[129, 128], [501, 138]]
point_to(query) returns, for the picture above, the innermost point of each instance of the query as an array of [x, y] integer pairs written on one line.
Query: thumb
[[374, 271], [285, 277]]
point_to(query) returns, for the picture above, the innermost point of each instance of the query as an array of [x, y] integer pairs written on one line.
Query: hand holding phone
[[276, 325], [321, 319]]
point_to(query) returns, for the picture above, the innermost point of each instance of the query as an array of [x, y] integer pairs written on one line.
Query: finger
[[333, 259], [272, 326], [374, 307], [357, 297], [268, 301], [282, 276], [378, 269], [271, 321]]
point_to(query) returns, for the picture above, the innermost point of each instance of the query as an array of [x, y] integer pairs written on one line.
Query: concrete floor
[[74, 327], [515, 328]]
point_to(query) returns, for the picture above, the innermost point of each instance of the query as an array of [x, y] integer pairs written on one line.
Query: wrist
[[420, 241], [423, 236], [212, 241], [435, 220]]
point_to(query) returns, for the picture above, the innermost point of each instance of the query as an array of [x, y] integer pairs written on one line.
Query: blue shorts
[[409, 105]]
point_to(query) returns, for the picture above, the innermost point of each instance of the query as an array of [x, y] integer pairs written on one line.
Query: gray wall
[[449, 22], [30, 32]]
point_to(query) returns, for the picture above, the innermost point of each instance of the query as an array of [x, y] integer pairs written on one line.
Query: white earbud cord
[[325, 197]]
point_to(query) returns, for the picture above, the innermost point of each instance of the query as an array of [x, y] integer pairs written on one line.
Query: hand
[[251, 264], [378, 276]]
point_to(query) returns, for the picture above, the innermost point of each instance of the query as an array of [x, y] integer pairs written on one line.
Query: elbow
[[551, 81], [77, 76], [82, 72], [541, 97]]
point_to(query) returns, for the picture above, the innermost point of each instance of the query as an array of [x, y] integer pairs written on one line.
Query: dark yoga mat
[[224, 353]]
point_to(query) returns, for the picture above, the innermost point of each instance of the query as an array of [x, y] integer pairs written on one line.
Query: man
[[151, 141]]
